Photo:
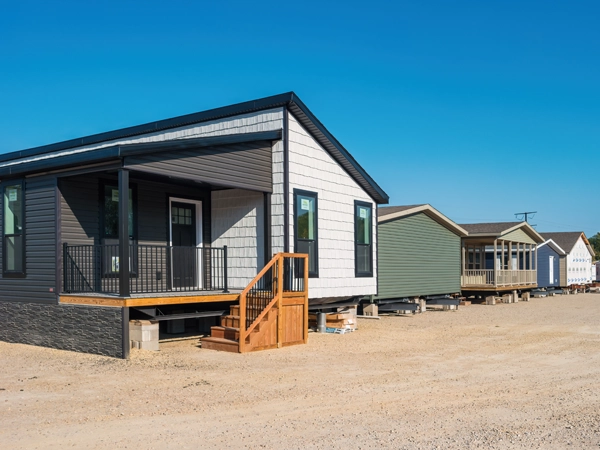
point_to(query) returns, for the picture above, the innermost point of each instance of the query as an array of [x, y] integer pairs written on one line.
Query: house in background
[[550, 271], [419, 255], [196, 206], [499, 257], [576, 265]]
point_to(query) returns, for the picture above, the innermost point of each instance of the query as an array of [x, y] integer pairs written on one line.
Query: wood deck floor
[[167, 298]]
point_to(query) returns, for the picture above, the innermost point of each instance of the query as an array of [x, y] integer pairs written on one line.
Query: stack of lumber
[[343, 319]]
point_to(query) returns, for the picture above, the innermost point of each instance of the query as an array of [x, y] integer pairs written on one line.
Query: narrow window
[[306, 228], [111, 213], [363, 241], [13, 264], [110, 229]]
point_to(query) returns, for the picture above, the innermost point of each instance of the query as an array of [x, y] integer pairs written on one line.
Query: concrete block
[[507, 298], [422, 305], [525, 296], [491, 300], [371, 310], [143, 334], [515, 296]]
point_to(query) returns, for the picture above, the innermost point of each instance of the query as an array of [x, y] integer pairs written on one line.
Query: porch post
[[124, 233], [463, 257], [495, 261], [531, 256]]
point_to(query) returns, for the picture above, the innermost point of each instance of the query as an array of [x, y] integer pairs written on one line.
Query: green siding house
[[419, 252]]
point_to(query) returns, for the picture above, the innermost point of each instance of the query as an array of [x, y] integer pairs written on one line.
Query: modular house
[[419, 254], [179, 217], [549, 268], [499, 257], [576, 265]]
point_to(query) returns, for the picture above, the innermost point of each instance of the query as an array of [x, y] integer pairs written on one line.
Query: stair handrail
[[244, 333], [277, 263]]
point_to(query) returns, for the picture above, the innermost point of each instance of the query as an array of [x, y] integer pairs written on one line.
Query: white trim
[[198, 208], [429, 211], [554, 245]]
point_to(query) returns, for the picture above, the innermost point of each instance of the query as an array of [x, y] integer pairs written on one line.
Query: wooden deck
[[177, 298]]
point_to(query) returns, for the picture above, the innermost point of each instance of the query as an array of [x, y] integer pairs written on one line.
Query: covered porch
[[498, 264], [192, 220], [499, 256]]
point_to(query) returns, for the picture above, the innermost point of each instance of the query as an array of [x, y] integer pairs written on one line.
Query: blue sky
[[482, 109]]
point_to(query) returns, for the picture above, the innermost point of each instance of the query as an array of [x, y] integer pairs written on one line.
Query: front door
[[185, 257], [551, 269]]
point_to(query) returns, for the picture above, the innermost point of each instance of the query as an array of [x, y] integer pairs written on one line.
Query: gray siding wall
[[238, 223], [417, 257], [246, 166], [40, 251], [87, 329], [543, 267]]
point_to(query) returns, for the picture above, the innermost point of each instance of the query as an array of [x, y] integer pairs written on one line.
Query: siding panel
[[40, 246], [245, 166], [518, 236], [313, 169], [417, 257], [238, 222]]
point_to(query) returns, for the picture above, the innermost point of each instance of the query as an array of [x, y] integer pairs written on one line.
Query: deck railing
[[152, 269], [498, 278]]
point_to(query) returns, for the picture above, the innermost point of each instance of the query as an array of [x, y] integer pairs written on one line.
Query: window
[[110, 230], [306, 228], [110, 226], [13, 230], [363, 239]]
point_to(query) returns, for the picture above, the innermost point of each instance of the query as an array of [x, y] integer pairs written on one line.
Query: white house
[[576, 265]]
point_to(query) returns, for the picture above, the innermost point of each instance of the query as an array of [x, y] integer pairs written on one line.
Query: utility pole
[[525, 214]]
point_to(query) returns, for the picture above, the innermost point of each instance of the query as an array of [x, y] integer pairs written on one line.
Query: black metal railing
[[293, 274], [261, 294], [152, 269]]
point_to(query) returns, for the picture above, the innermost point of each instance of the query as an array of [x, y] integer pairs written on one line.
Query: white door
[[551, 268]]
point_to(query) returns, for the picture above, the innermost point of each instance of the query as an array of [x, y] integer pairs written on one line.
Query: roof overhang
[[117, 152], [431, 212]]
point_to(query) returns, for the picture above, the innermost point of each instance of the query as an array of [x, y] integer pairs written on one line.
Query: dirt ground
[[524, 375]]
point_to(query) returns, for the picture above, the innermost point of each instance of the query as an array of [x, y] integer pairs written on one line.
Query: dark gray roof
[[564, 239], [491, 228], [385, 210], [289, 100]]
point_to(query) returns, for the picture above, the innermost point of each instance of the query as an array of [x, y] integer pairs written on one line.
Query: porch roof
[[496, 230], [65, 154]]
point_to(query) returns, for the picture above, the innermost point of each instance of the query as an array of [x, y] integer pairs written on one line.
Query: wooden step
[[230, 321], [223, 345], [225, 333]]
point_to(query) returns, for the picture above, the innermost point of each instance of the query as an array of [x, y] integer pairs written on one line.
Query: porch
[[491, 264]]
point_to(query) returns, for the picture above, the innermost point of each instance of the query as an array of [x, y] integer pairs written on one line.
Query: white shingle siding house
[[260, 155]]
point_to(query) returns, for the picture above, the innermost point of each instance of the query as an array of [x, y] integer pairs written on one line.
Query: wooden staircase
[[226, 337], [273, 310]]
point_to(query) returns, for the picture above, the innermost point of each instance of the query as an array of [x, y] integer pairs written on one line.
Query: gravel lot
[[524, 375]]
